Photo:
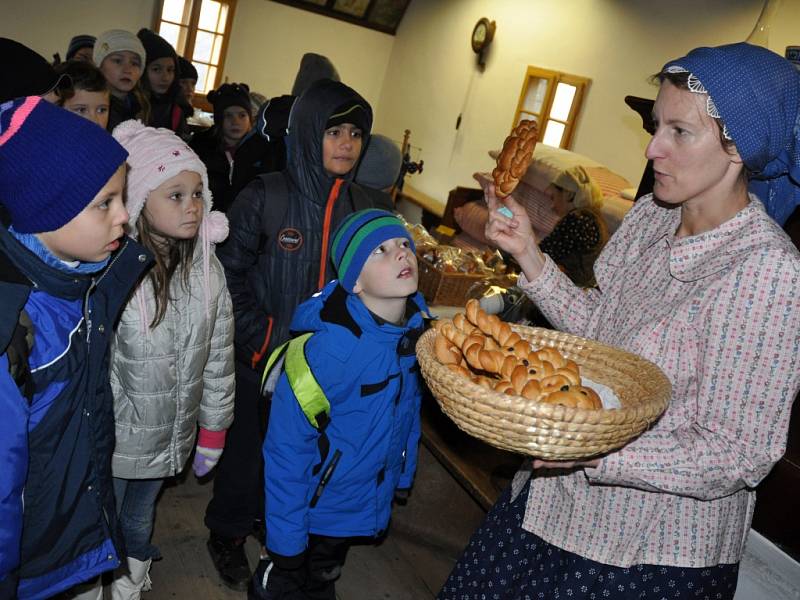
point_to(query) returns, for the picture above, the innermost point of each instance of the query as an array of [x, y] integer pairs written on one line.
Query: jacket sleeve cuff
[[287, 563], [211, 439], [406, 481], [544, 285]]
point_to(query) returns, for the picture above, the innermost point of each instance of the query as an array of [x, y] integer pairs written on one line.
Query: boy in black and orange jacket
[[271, 268]]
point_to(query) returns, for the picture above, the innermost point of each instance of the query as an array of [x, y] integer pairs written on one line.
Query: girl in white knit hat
[[172, 356], [121, 57]]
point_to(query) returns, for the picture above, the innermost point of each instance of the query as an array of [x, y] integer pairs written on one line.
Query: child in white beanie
[[121, 57], [172, 355]]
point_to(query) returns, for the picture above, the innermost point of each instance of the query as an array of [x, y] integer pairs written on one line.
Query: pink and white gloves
[[209, 449]]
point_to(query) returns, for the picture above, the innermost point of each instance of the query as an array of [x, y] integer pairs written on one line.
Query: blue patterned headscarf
[[757, 95]]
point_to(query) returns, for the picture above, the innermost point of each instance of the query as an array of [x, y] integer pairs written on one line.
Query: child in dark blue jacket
[[65, 272], [344, 423]]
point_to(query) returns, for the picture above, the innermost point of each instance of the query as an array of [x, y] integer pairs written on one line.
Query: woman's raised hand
[[513, 234]]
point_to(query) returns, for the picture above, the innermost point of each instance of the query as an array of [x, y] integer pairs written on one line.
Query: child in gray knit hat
[[380, 165]]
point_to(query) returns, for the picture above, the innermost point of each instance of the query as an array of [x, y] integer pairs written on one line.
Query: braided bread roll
[[504, 386], [538, 369], [446, 352], [509, 364], [476, 349], [449, 331], [480, 358], [462, 324], [460, 370], [530, 390], [484, 381], [494, 327], [555, 358], [560, 379], [506, 363], [514, 158], [576, 397], [520, 378], [520, 350]]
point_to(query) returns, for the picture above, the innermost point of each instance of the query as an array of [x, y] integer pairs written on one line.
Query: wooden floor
[[425, 539]]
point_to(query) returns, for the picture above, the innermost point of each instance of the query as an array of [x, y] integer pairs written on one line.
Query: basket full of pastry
[[539, 392], [448, 275]]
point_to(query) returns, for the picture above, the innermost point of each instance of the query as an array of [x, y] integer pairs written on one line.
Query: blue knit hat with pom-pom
[[52, 163]]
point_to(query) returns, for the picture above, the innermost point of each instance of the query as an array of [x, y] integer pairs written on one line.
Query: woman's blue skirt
[[503, 561]]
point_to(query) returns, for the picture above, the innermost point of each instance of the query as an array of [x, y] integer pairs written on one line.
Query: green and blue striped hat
[[356, 238]]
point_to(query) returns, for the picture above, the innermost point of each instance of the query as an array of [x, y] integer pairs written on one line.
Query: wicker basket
[[547, 431], [449, 289]]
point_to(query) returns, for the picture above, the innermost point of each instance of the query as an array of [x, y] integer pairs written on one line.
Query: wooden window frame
[[553, 78], [191, 35]]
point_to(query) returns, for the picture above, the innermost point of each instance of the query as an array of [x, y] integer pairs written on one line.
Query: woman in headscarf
[[701, 280], [580, 234]]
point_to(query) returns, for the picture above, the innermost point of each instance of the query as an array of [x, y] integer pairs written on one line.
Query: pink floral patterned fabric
[[720, 314]]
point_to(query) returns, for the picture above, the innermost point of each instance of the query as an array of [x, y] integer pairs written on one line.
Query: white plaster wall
[[48, 25], [617, 43], [268, 40]]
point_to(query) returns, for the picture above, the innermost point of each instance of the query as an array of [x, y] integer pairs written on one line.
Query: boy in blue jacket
[[65, 272], [344, 422]]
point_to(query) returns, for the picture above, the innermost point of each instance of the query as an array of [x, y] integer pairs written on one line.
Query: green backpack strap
[[273, 369], [291, 358]]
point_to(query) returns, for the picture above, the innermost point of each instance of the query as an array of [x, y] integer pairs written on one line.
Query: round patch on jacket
[[290, 239]]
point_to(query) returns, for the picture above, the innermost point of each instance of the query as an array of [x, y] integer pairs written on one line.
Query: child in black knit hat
[[231, 124], [160, 83], [187, 80], [217, 146], [276, 257], [81, 48]]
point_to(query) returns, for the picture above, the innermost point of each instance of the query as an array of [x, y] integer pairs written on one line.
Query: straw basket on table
[[450, 289], [548, 431]]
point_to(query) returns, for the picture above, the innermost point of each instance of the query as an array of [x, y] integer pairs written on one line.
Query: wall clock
[[482, 36]]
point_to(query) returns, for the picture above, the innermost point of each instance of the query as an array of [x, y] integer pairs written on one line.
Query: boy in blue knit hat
[[65, 272], [344, 422]]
